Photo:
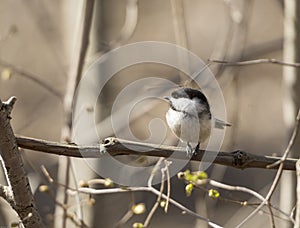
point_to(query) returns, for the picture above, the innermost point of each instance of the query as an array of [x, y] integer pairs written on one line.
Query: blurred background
[[37, 40]]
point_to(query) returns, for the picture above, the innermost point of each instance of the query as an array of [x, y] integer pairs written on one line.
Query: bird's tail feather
[[221, 124]]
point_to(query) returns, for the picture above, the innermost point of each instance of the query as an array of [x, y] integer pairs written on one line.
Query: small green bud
[[138, 208], [189, 189], [138, 225], [214, 194]]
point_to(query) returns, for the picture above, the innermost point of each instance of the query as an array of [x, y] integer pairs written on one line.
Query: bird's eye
[[175, 95]]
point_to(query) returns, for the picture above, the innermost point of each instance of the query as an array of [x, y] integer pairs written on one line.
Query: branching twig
[[279, 171], [74, 76], [155, 206], [146, 189], [115, 147]]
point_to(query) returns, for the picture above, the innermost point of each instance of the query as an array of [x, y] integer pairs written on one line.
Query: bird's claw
[[190, 151]]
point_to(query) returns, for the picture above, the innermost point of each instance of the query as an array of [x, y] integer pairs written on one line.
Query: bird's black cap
[[189, 93]]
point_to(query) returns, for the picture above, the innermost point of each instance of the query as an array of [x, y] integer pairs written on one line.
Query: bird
[[189, 117]]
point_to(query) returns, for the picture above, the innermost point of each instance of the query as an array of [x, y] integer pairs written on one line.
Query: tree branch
[[32, 77], [254, 61], [116, 147], [23, 201]]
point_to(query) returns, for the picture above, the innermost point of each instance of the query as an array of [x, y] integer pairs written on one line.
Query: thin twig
[[131, 19], [46, 174], [279, 172], [155, 206], [254, 61], [74, 76], [168, 185], [32, 77], [146, 189], [236, 188], [297, 216], [272, 221]]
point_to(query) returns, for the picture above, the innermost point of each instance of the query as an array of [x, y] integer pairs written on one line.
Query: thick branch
[[115, 147], [22, 195]]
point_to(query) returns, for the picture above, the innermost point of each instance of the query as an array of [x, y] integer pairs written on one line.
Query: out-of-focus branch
[[130, 23], [77, 67], [116, 147], [74, 76], [297, 216], [279, 171], [254, 61], [19, 196], [31, 77], [151, 189]]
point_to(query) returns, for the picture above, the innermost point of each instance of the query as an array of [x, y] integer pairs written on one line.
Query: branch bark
[[116, 147], [21, 200]]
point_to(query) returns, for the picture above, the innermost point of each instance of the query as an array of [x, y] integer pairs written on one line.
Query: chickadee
[[189, 117]]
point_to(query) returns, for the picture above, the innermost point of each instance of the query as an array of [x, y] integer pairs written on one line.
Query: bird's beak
[[166, 98]]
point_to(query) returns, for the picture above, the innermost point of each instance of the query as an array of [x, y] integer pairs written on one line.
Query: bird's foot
[[196, 150], [190, 151]]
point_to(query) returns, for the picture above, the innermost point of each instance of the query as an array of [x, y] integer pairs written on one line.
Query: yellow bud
[[91, 201], [189, 189], [108, 182], [138, 208], [43, 188], [6, 74], [138, 225], [83, 184], [214, 194]]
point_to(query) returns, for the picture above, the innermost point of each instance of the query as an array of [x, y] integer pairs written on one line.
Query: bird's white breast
[[188, 127]]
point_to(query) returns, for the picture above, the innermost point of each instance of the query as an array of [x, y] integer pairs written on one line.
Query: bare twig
[[130, 23], [22, 195], [272, 220], [155, 206], [291, 143], [115, 147], [72, 216], [168, 185], [128, 215], [236, 188], [254, 61], [76, 68], [32, 77], [146, 189], [297, 216], [180, 33], [279, 172], [46, 174]]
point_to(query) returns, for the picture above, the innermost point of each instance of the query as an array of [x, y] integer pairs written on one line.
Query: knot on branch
[[8, 106], [240, 158], [110, 141]]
